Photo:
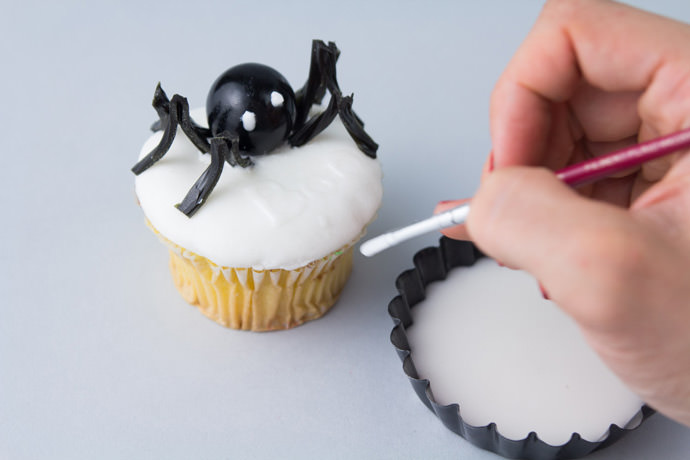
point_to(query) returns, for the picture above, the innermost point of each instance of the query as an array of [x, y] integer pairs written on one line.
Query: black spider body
[[254, 102], [252, 110]]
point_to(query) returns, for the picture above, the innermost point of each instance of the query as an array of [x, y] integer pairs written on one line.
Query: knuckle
[[664, 105]]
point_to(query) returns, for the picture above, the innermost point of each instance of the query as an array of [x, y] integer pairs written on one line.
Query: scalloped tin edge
[[433, 264]]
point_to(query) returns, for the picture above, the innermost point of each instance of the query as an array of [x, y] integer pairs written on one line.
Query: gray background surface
[[99, 356]]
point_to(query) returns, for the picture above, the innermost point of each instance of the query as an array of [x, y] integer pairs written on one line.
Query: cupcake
[[500, 365], [281, 189]]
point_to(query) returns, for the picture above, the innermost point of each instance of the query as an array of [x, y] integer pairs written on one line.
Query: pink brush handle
[[578, 174], [614, 162]]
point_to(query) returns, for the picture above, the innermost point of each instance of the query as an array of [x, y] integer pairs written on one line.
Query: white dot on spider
[[249, 120], [276, 99]]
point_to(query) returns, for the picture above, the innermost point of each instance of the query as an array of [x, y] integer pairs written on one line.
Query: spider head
[[255, 103]]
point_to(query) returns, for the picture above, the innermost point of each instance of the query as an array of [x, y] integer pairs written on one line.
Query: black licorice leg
[[327, 55], [354, 126], [314, 125], [322, 70], [169, 120], [172, 113], [314, 89], [204, 185], [232, 155], [194, 132], [324, 58], [162, 106]]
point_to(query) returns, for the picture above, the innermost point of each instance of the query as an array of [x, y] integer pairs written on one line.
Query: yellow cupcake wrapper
[[259, 300]]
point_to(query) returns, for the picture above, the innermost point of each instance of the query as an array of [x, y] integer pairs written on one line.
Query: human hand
[[591, 77]]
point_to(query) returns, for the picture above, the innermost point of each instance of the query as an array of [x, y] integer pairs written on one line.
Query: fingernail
[[500, 264], [543, 292], [443, 202], [491, 161]]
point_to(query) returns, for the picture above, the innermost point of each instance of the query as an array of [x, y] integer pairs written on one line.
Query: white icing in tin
[[487, 340], [277, 99], [248, 121], [294, 206]]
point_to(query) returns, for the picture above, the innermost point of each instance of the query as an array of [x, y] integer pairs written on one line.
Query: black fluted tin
[[433, 264]]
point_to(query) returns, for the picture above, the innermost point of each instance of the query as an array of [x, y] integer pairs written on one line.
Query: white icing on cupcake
[[487, 340], [294, 206]]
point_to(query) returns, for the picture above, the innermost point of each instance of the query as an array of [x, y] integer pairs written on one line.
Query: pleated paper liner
[[433, 264], [259, 300]]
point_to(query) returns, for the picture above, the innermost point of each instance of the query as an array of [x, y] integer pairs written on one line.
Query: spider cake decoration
[[251, 110]]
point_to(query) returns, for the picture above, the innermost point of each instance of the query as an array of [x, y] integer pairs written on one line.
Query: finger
[[528, 129], [665, 105], [459, 232], [606, 116], [572, 41]]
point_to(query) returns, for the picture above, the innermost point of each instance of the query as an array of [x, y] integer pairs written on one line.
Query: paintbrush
[[574, 175]]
